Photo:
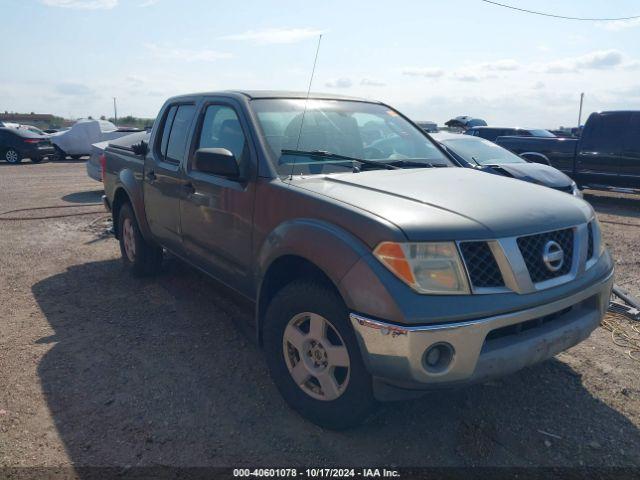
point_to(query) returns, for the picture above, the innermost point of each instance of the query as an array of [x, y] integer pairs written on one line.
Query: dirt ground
[[98, 368]]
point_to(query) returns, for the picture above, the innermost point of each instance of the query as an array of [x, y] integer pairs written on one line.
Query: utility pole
[[580, 112], [115, 111]]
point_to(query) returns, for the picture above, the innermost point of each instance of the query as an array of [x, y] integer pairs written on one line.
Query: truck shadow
[[157, 372], [626, 205], [87, 196]]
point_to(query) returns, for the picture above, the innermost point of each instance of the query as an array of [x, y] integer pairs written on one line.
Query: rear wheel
[[12, 156], [314, 358], [141, 257]]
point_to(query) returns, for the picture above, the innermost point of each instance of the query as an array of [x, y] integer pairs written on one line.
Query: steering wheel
[[370, 153]]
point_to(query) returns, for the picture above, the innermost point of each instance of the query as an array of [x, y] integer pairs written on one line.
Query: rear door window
[[166, 130], [179, 132]]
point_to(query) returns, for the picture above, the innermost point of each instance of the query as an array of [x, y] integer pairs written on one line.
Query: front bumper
[[483, 348]]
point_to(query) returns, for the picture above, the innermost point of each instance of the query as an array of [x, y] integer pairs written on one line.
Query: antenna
[[306, 101]]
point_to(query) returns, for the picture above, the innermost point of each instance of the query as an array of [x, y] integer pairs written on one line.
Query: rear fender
[[133, 189]]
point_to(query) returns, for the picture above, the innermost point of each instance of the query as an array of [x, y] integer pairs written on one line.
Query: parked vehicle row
[[491, 133], [377, 270], [607, 155], [77, 141], [17, 144], [476, 152]]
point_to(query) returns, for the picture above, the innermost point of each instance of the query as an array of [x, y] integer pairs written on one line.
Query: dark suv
[[377, 268]]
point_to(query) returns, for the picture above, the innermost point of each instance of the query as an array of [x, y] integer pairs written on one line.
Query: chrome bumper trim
[[395, 352]]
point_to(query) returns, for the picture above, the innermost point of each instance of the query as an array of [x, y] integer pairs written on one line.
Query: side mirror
[[217, 161]]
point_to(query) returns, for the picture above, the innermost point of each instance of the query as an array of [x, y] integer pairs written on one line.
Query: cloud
[[423, 72], [466, 77], [339, 83], [185, 54], [506, 65], [275, 35], [368, 82], [538, 86], [74, 89], [617, 25], [148, 3], [597, 60], [82, 4]]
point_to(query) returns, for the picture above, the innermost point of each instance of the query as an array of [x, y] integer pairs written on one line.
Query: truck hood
[[452, 203], [535, 173]]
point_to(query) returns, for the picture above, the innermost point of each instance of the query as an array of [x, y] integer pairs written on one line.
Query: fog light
[[438, 357]]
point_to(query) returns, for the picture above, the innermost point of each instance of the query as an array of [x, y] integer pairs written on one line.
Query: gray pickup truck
[[378, 269]]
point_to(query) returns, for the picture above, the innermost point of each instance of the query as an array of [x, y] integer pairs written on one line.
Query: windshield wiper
[[337, 156], [410, 163]]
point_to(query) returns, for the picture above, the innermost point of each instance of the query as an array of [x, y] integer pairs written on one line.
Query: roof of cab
[[263, 94]]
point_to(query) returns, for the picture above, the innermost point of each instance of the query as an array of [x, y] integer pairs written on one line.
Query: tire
[[36, 160], [12, 156], [59, 154], [138, 255], [295, 303]]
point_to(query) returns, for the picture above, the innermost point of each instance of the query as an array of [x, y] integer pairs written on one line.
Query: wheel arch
[[536, 157], [128, 190], [303, 248]]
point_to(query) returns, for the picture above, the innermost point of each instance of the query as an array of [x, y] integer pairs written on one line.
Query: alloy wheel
[[316, 356]]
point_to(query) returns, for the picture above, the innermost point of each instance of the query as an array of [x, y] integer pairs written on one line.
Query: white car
[[77, 141]]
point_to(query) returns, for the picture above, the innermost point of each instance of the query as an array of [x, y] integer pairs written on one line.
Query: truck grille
[[532, 249], [482, 267]]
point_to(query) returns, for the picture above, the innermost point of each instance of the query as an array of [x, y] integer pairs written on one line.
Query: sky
[[430, 59]]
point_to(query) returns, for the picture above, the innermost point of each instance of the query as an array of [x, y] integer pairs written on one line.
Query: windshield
[[542, 133], [353, 129], [478, 151]]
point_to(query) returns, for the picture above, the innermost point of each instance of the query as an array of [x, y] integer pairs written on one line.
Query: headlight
[[426, 267], [575, 190]]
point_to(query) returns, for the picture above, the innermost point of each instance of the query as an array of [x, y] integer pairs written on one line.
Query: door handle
[[151, 176], [194, 197]]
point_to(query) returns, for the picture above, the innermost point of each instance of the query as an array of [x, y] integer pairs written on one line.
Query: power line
[[583, 19]]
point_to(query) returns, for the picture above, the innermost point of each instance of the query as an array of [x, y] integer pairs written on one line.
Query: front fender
[[327, 246]]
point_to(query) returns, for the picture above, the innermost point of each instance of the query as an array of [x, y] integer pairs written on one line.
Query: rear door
[[601, 147], [217, 212], [162, 182], [630, 159]]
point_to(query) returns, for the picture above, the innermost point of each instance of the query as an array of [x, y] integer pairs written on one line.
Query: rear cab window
[[605, 133]]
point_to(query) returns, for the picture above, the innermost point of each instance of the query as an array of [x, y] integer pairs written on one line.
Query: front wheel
[[314, 358], [59, 154], [12, 156], [141, 257]]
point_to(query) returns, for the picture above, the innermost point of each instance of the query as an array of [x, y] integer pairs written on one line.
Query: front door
[[216, 212], [163, 183]]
